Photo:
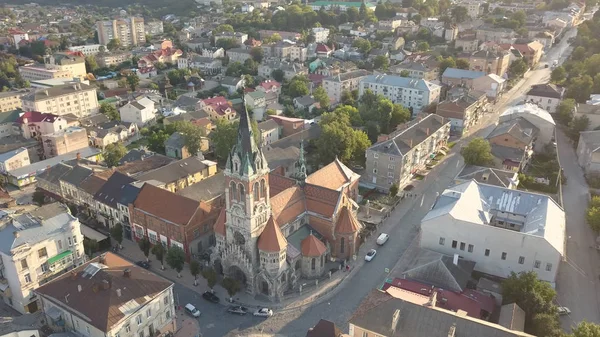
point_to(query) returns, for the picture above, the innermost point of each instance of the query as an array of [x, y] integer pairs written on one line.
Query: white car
[[382, 239], [370, 255], [263, 312], [563, 311]]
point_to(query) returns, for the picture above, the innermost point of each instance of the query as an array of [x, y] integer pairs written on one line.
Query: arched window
[[256, 191], [263, 189], [342, 245], [242, 192], [233, 191], [312, 263]]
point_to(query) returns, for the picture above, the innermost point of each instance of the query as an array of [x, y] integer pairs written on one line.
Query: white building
[[500, 229], [129, 31], [36, 247], [536, 116], [139, 112], [411, 93], [18, 36], [473, 9], [109, 296], [336, 85], [548, 96], [87, 50], [77, 98], [321, 34]]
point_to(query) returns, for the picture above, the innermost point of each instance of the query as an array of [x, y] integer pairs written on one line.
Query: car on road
[[263, 312], [237, 309], [143, 264], [382, 239], [370, 255], [209, 296], [562, 311], [192, 311]]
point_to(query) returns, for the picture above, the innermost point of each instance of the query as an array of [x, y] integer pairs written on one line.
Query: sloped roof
[[519, 128], [219, 226], [312, 247], [166, 205], [110, 193], [346, 223], [324, 329], [271, 239], [462, 73], [488, 175], [412, 134], [334, 176]]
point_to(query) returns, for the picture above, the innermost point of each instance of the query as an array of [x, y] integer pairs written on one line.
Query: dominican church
[[275, 230]]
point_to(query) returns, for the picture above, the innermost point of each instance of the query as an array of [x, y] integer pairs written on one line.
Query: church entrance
[[264, 287], [237, 274]]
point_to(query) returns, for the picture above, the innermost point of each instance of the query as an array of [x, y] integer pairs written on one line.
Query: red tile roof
[[36, 117], [271, 239], [312, 247], [346, 222], [166, 204], [268, 85], [219, 227]]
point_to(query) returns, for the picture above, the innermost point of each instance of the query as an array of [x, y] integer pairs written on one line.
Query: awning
[[59, 257], [92, 234]]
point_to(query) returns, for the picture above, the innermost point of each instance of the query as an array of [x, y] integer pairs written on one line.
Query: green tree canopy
[[132, 81], [223, 28], [176, 259], [195, 270], [113, 153], [339, 139], [110, 111], [478, 152], [145, 247], [192, 135], [559, 75], [320, 95], [298, 87], [564, 111], [518, 68], [381, 62], [462, 64], [223, 137], [159, 252]]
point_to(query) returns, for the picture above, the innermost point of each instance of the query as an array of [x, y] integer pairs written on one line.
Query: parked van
[[191, 310], [382, 239]]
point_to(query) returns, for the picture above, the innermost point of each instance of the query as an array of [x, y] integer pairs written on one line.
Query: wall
[[17, 161], [548, 104]]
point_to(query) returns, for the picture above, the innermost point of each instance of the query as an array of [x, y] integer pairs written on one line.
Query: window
[[24, 264], [390, 167], [342, 245], [375, 155], [87, 329], [392, 158], [462, 246], [312, 264], [117, 335], [365, 334], [69, 240], [166, 300], [128, 328], [168, 314], [390, 174], [60, 245], [141, 333], [42, 252], [44, 267], [149, 312], [503, 257], [442, 241], [487, 252], [521, 259], [548, 266], [138, 319], [470, 249], [454, 243], [27, 278], [375, 171], [537, 264]]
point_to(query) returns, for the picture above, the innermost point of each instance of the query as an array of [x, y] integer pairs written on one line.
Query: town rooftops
[[7, 155], [527, 109], [36, 117], [334, 176], [110, 193], [480, 204], [399, 81], [166, 205], [462, 73], [546, 90], [488, 175], [268, 125], [59, 90], [40, 166], [347, 75], [206, 189], [177, 170], [105, 290], [519, 128]]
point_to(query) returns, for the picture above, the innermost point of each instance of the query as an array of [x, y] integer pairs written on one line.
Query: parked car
[[207, 295], [382, 239], [237, 309], [564, 311], [263, 312], [192, 311], [370, 255], [143, 264]]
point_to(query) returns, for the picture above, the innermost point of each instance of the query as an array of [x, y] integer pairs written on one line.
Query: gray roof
[[512, 317], [206, 189], [7, 155], [268, 125], [94, 120], [519, 128], [44, 164], [31, 321], [281, 156], [546, 90], [59, 90], [505, 152], [9, 116], [417, 319], [110, 193], [77, 175], [488, 175], [134, 155], [175, 170], [462, 73], [590, 139], [305, 100], [176, 140], [347, 75], [230, 80], [304, 136], [54, 173], [399, 81], [413, 134], [186, 101]]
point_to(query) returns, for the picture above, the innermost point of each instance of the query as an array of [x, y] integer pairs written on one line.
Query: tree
[[113, 153], [271, 112], [232, 286], [559, 74], [145, 246], [133, 80], [320, 95], [223, 28], [478, 152], [404, 73], [577, 125], [159, 252], [564, 111], [580, 88], [278, 75], [339, 139], [192, 135], [156, 141], [363, 45], [585, 329], [257, 54], [423, 46], [298, 87], [176, 259], [223, 137], [113, 44], [448, 62], [211, 277], [195, 270], [459, 14], [90, 64], [518, 68], [400, 114], [462, 64], [90, 246], [381, 62], [394, 190], [227, 43], [38, 198], [546, 325], [116, 232], [110, 111]]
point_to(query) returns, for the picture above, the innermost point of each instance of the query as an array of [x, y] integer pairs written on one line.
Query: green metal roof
[[59, 257], [9, 116]]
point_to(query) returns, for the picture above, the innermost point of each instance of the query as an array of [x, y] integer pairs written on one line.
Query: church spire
[[245, 157], [300, 173]]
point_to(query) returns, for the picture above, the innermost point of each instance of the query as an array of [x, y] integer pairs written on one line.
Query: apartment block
[[129, 31], [88, 49], [411, 93], [109, 59], [64, 141], [11, 100], [77, 98], [336, 85], [36, 247]]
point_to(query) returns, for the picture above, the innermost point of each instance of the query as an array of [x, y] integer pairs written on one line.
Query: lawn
[[137, 144]]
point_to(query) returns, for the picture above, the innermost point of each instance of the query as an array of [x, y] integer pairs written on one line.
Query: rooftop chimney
[[105, 284], [395, 320], [78, 156], [127, 272], [79, 287], [432, 299], [16, 233], [428, 131], [452, 331], [46, 92], [119, 292], [455, 260]]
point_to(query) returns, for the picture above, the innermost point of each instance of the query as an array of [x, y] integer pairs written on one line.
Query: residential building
[[34, 72], [8, 126], [78, 99], [417, 70], [36, 247], [532, 51], [495, 34], [292, 36], [463, 112], [182, 173], [239, 54], [321, 34], [412, 93], [175, 146], [588, 151], [397, 156], [473, 9], [501, 230], [342, 6], [512, 143], [397, 312], [488, 175], [240, 38], [154, 27], [289, 126], [109, 296], [140, 111], [164, 55], [208, 66], [492, 84], [34, 124], [69, 182], [460, 77], [110, 59], [232, 84], [325, 328], [389, 24], [269, 131], [265, 69], [548, 96], [469, 44], [217, 108], [11, 100], [64, 141], [348, 81], [71, 62], [537, 116], [18, 36], [108, 133], [88, 49], [129, 31], [488, 61], [13, 160], [257, 102], [107, 200]]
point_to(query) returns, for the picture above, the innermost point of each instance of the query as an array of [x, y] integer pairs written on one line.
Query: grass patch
[[137, 144], [451, 145]]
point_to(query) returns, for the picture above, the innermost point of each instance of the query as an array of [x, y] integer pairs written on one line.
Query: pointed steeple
[[245, 158], [300, 173]]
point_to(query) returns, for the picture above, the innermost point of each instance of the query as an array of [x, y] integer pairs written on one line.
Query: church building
[[275, 230]]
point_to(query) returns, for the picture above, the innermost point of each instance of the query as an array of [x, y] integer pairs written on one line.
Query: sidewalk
[[186, 325]]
